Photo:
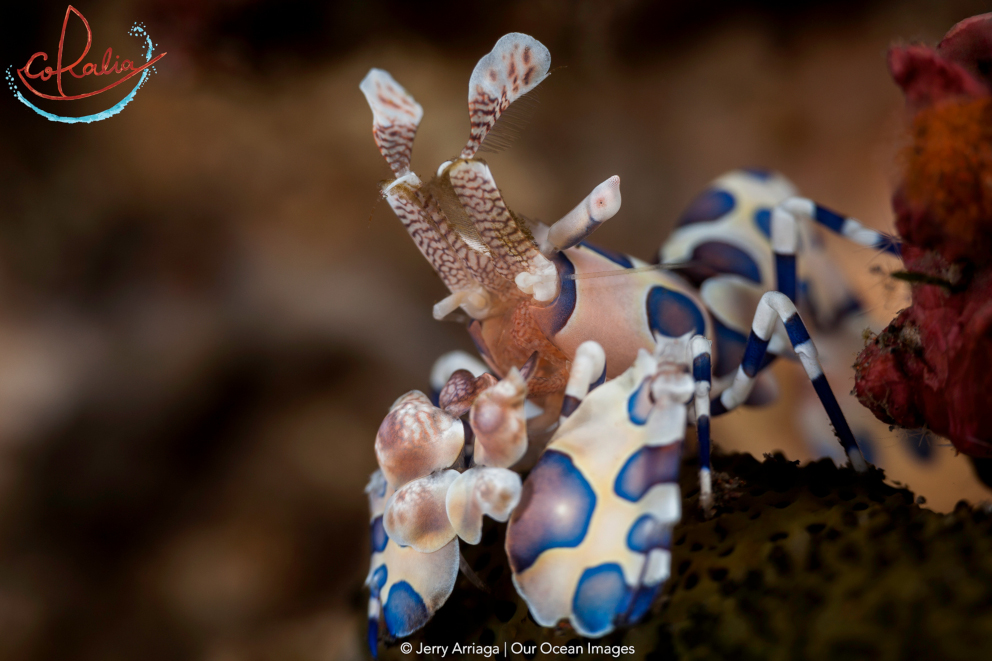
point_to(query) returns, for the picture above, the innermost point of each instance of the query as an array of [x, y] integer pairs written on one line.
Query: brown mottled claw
[[461, 390], [395, 118], [500, 425], [515, 66]]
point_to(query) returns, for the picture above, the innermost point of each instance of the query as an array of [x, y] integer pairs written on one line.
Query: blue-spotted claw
[[406, 586], [590, 539]]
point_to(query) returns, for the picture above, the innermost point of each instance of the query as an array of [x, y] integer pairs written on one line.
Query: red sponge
[[932, 366]]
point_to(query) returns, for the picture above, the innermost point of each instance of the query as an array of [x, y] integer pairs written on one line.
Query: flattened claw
[[461, 391], [481, 491], [415, 515], [416, 439]]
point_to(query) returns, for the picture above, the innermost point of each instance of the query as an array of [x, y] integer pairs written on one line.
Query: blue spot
[[708, 205], [763, 219], [639, 403], [651, 465], [373, 638], [601, 597], [725, 258], [378, 580], [379, 536], [647, 534], [759, 173], [553, 317], [673, 314], [729, 348], [643, 599], [404, 611], [555, 508], [616, 257]]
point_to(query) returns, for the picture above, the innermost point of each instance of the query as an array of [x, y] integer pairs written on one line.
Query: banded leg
[[772, 306], [702, 372], [588, 371], [849, 228], [785, 237]]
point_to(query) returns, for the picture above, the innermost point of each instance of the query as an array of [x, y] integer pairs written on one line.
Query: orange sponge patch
[[948, 167]]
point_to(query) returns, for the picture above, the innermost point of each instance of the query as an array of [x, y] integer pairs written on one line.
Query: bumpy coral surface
[[813, 563], [933, 365]]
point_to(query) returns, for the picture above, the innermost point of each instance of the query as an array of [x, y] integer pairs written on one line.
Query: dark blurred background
[[205, 313]]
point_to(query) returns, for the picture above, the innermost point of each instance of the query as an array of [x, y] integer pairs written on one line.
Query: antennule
[[395, 118], [515, 66], [599, 206]]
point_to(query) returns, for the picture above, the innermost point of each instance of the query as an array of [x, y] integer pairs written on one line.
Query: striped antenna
[[515, 66]]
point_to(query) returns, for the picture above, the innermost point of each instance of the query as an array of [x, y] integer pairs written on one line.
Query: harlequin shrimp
[[615, 344]]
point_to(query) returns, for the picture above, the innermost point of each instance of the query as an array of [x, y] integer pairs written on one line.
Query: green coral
[[808, 562]]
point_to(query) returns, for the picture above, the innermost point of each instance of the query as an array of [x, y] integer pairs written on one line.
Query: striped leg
[[785, 237], [775, 305], [702, 375], [849, 228], [588, 371], [375, 612]]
